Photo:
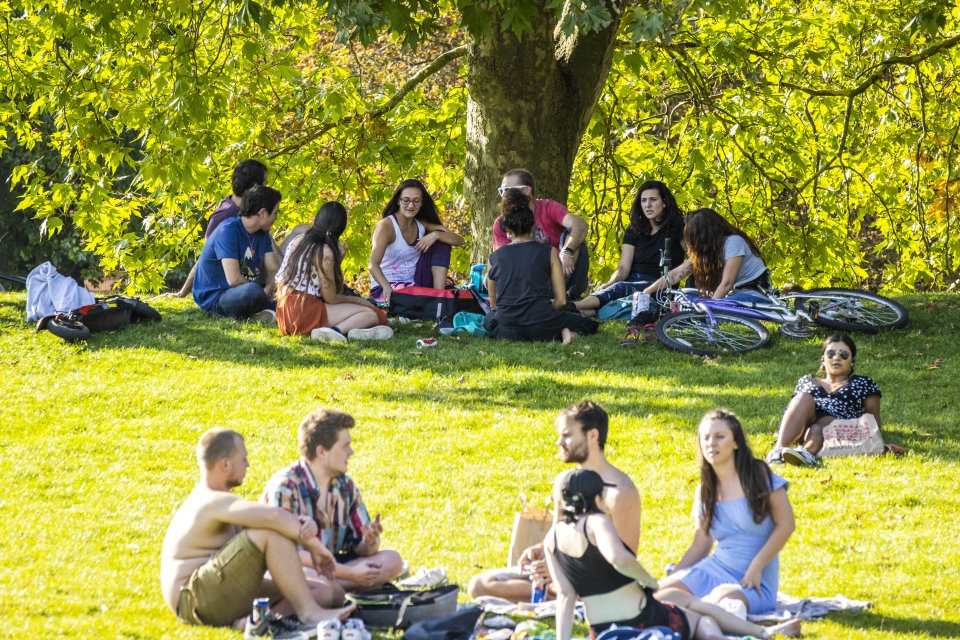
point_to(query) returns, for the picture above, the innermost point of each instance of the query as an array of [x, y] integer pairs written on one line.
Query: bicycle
[[704, 326]]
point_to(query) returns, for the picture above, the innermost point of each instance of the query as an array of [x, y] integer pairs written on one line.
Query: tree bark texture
[[529, 104]]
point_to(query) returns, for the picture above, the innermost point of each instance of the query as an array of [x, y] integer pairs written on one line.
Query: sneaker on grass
[[378, 332], [326, 334], [775, 456], [285, 628], [800, 457], [267, 316]]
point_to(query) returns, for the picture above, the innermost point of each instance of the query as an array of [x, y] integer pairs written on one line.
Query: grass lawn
[[96, 452]]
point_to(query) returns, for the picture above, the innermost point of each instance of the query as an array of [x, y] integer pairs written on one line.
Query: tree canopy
[[826, 130]]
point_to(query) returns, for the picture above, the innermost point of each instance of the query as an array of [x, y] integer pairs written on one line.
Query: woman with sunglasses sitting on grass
[[818, 401]]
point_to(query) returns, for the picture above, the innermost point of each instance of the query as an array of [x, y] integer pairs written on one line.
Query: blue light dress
[[738, 539]]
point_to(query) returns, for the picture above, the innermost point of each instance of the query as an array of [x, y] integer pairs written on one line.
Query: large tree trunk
[[529, 104]]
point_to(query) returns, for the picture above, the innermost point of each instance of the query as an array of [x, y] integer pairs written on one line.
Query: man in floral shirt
[[317, 486]]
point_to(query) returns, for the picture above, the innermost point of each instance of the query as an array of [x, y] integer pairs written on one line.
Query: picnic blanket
[[807, 608]]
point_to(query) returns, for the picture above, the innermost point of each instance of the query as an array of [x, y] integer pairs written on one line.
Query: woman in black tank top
[[589, 561]]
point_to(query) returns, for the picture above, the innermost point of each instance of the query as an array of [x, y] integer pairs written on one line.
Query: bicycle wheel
[[850, 310], [693, 332]]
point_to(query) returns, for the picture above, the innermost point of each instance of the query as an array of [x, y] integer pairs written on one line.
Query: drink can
[[425, 343], [538, 590], [641, 303], [261, 607], [674, 306]]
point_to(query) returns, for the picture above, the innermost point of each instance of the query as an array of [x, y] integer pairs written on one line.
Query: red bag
[[426, 303]]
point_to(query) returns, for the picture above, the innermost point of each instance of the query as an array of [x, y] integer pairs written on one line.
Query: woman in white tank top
[[410, 245]]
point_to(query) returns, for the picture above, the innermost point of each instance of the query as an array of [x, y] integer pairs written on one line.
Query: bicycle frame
[[772, 309]]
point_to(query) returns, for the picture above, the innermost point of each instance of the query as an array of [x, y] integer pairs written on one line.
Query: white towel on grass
[[807, 608]]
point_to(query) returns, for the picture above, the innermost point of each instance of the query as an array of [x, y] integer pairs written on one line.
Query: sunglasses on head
[[844, 354]]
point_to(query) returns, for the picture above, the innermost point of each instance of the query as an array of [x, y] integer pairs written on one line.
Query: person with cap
[[581, 438], [589, 561]]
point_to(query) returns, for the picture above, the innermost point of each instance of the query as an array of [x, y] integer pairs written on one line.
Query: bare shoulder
[[625, 488]]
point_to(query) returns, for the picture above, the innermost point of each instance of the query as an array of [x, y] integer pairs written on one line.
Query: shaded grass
[[96, 452]]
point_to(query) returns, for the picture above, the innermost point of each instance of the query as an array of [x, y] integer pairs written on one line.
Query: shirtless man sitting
[[218, 547], [581, 437]]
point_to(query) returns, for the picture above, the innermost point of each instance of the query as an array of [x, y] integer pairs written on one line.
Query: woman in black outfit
[[526, 286], [588, 560]]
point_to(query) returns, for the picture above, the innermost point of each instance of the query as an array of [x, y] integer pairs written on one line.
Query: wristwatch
[[567, 251]]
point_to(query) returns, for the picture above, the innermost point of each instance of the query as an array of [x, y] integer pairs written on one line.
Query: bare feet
[[329, 614], [788, 629], [567, 336]]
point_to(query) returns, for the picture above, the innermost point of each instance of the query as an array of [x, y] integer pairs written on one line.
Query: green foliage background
[[828, 130]]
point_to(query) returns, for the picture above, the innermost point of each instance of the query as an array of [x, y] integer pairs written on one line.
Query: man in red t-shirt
[[553, 225]]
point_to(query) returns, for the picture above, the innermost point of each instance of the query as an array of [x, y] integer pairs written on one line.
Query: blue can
[[538, 590]]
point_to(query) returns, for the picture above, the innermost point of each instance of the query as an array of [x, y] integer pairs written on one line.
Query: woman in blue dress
[[742, 507]]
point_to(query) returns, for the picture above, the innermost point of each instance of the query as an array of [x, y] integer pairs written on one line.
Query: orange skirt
[[300, 313]]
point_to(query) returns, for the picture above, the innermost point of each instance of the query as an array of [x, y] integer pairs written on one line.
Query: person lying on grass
[[219, 546], [317, 487], [581, 437]]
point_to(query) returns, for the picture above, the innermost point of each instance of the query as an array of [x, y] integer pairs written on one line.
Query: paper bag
[[852, 437], [529, 528]]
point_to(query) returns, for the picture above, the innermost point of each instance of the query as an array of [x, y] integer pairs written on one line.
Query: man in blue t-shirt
[[235, 256], [246, 174]]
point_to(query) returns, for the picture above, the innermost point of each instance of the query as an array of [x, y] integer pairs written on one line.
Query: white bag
[[852, 437]]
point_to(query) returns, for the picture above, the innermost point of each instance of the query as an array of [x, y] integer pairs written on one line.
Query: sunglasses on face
[[503, 190], [844, 354]]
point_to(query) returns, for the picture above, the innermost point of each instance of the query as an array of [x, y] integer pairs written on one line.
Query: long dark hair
[[307, 253], [755, 476], [428, 208], [639, 224], [515, 214], [704, 233], [842, 338]]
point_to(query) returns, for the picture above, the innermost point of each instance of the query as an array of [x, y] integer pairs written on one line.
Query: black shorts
[[655, 614]]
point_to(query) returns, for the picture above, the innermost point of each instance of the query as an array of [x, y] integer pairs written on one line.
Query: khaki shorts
[[222, 590]]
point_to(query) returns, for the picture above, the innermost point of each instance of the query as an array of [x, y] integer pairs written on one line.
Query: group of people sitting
[[537, 272], [310, 539]]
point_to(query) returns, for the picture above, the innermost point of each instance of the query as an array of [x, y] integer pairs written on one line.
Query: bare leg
[[439, 277], [390, 565], [347, 316], [590, 302], [813, 438], [500, 583], [728, 622], [800, 414], [703, 627], [284, 566]]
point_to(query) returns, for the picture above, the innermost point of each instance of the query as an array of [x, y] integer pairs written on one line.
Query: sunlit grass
[[96, 447]]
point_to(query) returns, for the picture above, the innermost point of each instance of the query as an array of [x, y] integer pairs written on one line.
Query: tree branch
[[881, 67], [439, 63]]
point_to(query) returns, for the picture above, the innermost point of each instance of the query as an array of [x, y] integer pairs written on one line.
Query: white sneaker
[[353, 629], [267, 316], [326, 334], [800, 457], [329, 630], [378, 332], [425, 578]]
